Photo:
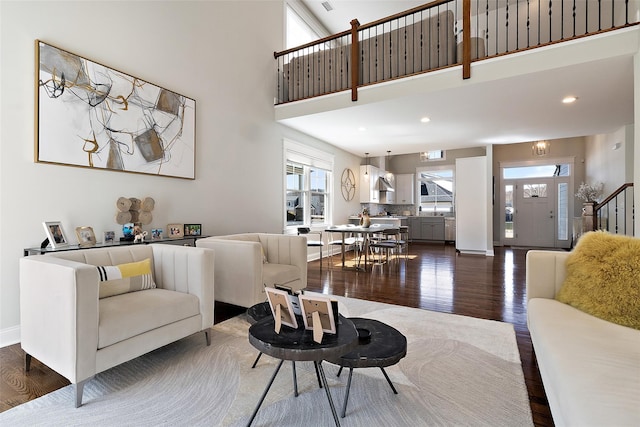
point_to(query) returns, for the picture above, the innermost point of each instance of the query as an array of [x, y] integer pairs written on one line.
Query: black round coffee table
[[298, 345], [385, 347]]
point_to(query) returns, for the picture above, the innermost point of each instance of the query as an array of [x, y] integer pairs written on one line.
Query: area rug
[[458, 371]]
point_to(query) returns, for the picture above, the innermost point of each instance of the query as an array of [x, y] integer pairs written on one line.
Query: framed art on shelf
[[89, 115], [109, 237], [156, 233], [55, 234], [193, 229], [86, 236], [176, 231]]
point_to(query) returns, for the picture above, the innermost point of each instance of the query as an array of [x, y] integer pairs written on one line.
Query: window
[[436, 190], [308, 181]]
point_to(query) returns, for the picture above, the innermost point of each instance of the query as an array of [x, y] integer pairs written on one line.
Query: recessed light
[[425, 120], [569, 99], [362, 128]]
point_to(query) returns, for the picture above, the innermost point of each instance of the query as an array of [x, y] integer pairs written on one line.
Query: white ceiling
[[510, 108]]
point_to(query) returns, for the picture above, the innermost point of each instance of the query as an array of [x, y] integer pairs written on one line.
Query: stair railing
[[615, 213]]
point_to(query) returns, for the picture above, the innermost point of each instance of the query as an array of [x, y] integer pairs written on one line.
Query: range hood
[[384, 184]]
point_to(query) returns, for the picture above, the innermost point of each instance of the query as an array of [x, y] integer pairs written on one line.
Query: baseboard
[[9, 336]]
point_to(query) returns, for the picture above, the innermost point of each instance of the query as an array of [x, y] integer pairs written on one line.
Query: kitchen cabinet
[[426, 228], [369, 192], [405, 189]]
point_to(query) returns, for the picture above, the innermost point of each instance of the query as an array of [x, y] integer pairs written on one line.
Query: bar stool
[[312, 243]]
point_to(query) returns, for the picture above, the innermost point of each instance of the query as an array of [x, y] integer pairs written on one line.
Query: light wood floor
[[435, 278]]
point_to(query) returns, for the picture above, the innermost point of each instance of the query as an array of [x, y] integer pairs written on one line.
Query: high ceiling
[[520, 107]]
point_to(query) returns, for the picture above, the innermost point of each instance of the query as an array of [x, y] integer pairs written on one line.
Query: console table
[[182, 241], [298, 345]]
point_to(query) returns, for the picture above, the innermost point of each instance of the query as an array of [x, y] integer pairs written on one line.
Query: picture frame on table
[[156, 233], [193, 229], [281, 308], [55, 234], [108, 237], [86, 236], [176, 231], [323, 306]]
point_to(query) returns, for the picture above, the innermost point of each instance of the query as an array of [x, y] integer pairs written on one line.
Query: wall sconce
[[540, 148]]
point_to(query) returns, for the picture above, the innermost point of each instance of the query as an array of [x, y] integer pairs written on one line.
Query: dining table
[[365, 232]]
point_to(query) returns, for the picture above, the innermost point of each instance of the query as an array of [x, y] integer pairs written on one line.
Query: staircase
[[615, 213]]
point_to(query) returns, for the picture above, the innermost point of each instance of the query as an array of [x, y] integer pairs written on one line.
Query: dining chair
[[350, 240], [306, 231]]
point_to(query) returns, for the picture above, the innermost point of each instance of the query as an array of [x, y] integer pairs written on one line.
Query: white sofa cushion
[[279, 274], [127, 315], [590, 367]]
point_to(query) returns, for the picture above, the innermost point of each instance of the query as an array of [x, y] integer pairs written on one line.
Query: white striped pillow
[[124, 278]]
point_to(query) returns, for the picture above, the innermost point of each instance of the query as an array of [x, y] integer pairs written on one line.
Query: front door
[[535, 216]]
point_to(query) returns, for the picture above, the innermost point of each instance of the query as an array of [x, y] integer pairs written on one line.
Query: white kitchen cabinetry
[[369, 192], [405, 189]]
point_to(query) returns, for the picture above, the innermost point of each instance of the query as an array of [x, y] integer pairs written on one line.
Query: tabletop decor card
[[156, 233], [55, 234], [281, 308], [318, 315], [193, 229], [109, 237], [86, 236], [176, 231]]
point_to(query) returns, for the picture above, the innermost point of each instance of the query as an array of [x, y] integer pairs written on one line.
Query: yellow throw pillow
[[603, 278], [124, 278]]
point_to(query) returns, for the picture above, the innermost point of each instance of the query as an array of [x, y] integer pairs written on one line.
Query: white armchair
[[246, 263], [67, 326]]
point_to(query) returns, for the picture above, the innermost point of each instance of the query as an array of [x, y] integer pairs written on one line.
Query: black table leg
[[256, 362], [264, 394], [295, 379], [318, 375], [389, 381], [326, 389], [346, 395]]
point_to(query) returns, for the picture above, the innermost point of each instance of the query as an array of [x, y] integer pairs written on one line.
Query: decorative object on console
[[348, 184], [134, 210], [156, 234], [589, 193], [71, 91], [109, 237], [138, 234], [55, 234], [176, 231], [193, 229], [86, 236], [127, 231]]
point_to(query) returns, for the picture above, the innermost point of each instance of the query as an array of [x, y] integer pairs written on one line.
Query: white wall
[[604, 164], [217, 52]]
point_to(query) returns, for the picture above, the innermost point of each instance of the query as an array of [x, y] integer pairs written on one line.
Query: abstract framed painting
[[89, 115]]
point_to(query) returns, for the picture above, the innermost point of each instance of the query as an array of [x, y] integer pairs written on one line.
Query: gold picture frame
[[175, 231], [86, 236]]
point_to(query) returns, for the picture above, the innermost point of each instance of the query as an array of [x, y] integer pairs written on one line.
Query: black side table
[[298, 345], [385, 347]]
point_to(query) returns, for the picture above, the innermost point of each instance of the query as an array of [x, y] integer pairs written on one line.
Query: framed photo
[[109, 237], [156, 233], [86, 236], [127, 231], [321, 305], [193, 229], [93, 116], [281, 308], [55, 234], [176, 231]]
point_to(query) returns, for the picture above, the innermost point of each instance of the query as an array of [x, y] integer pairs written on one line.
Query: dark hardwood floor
[[435, 278]]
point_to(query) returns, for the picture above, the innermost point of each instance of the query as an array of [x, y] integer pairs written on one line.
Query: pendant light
[[366, 159]]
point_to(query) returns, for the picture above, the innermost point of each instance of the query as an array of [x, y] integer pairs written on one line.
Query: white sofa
[[247, 262], [590, 368], [66, 326]]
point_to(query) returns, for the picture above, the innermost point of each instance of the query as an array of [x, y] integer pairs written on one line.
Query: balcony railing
[[437, 35]]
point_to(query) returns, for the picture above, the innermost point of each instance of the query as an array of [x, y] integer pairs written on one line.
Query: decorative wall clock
[[348, 183]]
